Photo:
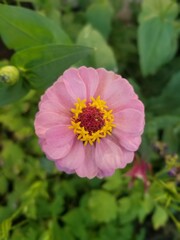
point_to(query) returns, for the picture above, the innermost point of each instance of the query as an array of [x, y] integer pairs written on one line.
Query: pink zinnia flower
[[90, 122]]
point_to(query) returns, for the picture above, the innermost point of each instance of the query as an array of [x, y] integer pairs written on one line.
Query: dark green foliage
[[140, 42]]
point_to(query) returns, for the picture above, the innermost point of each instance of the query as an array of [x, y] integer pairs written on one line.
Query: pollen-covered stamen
[[91, 119]]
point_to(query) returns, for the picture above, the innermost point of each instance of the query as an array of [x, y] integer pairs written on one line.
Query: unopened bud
[[9, 75]]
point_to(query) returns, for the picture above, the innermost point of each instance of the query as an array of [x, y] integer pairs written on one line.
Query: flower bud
[[9, 75]]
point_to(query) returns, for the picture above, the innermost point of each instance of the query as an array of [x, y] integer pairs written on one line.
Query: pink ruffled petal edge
[[88, 167], [74, 84], [74, 159], [45, 120], [55, 153], [91, 80], [130, 121]]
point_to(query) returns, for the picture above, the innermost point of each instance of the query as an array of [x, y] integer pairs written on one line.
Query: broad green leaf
[[38, 188], [104, 11], [103, 55], [147, 205], [154, 8], [158, 48], [55, 231], [5, 228], [102, 206], [115, 231], [76, 219], [157, 35], [44, 64], [170, 97], [29, 206], [128, 207], [22, 28], [9, 94], [10, 152], [114, 183], [31, 233], [168, 101], [159, 217]]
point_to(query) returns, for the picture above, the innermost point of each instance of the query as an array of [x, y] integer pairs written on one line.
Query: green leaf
[[76, 220], [114, 183], [5, 227], [44, 64], [170, 97], [159, 217], [115, 232], [9, 94], [147, 205], [163, 8], [168, 101], [102, 206], [156, 49], [128, 208], [28, 28], [103, 55], [36, 190], [104, 11]]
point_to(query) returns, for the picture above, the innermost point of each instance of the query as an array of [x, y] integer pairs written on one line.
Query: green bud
[[9, 75]]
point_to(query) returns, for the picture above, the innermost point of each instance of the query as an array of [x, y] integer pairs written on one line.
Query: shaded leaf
[[168, 101], [9, 94], [28, 28], [5, 227], [164, 8], [76, 220], [147, 205], [156, 49], [103, 55], [159, 217], [44, 64], [114, 183], [104, 11], [102, 206]]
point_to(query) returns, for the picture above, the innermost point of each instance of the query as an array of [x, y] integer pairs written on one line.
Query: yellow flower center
[[91, 121]]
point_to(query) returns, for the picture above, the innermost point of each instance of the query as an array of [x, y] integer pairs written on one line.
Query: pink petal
[[59, 135], [102, 174], [108, 155], [49, 106], [64, 169], [130, 142], [118, 93], [91, 80], [128, 157], [62, 96], [105, 79], [46, 120], [74, 158], [88, 167], [55, 153], [133, 103], [56, 100], [130, 121], [74, 84]]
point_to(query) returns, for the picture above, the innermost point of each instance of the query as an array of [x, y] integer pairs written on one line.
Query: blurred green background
[[140, 41]]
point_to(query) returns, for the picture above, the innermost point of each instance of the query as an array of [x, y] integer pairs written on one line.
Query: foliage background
[[137, 39]]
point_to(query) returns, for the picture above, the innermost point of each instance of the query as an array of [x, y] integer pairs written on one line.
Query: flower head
[[90, 122]]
